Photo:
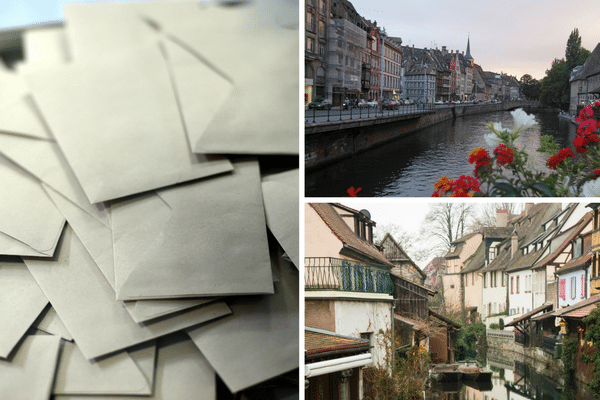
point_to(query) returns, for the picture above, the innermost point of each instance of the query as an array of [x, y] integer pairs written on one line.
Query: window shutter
[[561, 289]]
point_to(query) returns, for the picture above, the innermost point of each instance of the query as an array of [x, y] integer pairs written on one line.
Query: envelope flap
[[118, 374], [28, 215], [214, 244]]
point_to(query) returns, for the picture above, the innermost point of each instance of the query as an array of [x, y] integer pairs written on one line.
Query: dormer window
[[363, 226]]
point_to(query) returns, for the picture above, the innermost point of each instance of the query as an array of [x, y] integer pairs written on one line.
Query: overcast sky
[[408, 214], [516, 37]]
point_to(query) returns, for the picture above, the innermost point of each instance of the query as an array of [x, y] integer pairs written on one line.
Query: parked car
[[389, 104], [372, 103], [320, 105], [408, 102], [362, 103]]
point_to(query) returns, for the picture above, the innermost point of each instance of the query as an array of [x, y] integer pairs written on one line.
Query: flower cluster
[[563, 154], [465, 186], [504, 155], [480, 157], [511, 171]]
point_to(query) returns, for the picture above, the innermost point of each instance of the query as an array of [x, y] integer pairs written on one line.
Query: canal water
[[511, 380], [409, 166]]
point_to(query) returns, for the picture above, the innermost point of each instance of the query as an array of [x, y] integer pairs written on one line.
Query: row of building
[[537, 274], [350, 57], [539, 258]]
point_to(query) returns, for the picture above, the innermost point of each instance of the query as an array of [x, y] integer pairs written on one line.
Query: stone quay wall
[[327, 143], [502, 345]]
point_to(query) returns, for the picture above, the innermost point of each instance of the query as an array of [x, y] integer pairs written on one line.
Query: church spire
[[468, 54]]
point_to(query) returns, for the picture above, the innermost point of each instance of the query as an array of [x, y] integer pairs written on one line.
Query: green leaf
[[506, 189], [543, 189]]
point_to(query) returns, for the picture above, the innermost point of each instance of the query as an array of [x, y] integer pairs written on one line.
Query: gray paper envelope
[[30, 223], [146, 310], [260, 115], [280, 194], [17, 115], [97, 239], [118, 124], [21, 302], [262, 332], [51, 322], [43, 46], [204, 238], [30, 373], [84, 299], [182, 372], [116, 375]]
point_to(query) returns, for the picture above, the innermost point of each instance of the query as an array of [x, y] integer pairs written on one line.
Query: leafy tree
[[593, 335], [573, 49], [469, 339], [530, 87], [554, 87]]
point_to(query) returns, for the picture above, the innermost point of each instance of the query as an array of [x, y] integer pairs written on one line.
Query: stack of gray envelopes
[[145, 250]]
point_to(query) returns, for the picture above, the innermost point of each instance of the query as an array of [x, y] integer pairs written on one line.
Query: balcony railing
[[327, 273]]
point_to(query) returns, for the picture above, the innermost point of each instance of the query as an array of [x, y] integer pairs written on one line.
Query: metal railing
[[549, 342], [337, 113], [498, 334], [328, 273]]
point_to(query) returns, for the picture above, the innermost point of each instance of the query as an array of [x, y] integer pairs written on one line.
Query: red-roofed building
[[348, 288], [333, 363]]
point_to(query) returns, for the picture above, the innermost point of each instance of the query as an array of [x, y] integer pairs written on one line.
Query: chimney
[[528, 207], [501, 218], [514, 244]]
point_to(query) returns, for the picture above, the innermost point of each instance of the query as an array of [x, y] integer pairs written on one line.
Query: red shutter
[[561, 289]]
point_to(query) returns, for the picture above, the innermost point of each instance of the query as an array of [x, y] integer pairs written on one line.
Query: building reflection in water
[[511, 380]]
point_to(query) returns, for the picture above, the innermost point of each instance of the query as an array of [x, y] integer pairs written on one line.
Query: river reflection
[[511, 380], [410, 166]]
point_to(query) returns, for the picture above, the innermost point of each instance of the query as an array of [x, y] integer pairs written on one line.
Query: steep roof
[[575, 264], [575, 230], [583, 303], [476, 261], [591, 66], [458, 245], [343, 232], [403, 257], [528, 226]]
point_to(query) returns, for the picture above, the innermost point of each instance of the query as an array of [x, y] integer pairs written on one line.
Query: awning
[[527, 316], [580, 312], [584, 303], [336, 365]]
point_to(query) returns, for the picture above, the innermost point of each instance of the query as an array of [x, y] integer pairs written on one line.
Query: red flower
[[480, 157], [581, 142], [559, 157], [504, 155], [442, 186], [595, 174], [352, 192], [465, 186]]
